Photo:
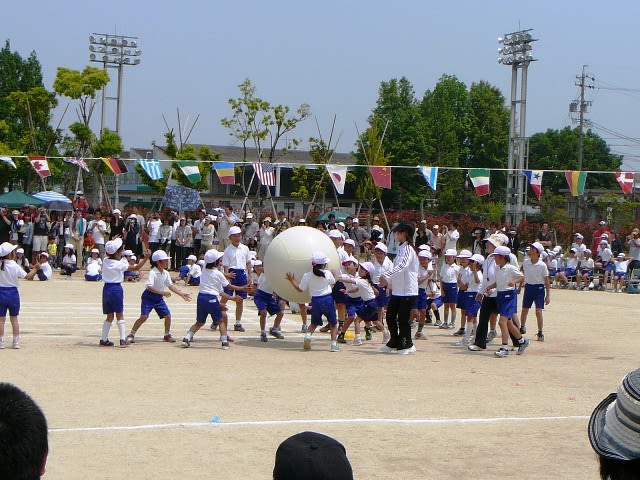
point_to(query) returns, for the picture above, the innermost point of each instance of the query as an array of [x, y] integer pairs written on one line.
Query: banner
[[576, 181], [190, 170], [78, 162], [381, 176], [480, 179], [152, 168], [338, 175], [625, 180], [535, 181], [266, 173], [41, 166], [116, 165], [430, 174], [225, 172], [9, 161]]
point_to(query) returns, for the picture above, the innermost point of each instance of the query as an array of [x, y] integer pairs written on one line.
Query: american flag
[[266, 173], [77, 161]]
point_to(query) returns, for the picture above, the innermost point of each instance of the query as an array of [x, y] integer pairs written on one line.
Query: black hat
[[311, 456], [406, 228]]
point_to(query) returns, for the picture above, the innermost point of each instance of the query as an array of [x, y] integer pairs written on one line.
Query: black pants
[[398, 313], [488, 307]]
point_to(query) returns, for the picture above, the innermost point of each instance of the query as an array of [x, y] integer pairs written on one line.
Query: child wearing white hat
[[10, 273], [41, 269], [68, 261], [237, 261], [449, 287]]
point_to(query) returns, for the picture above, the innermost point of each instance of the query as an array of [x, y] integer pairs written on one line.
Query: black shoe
[[523, 330], [341, 338]]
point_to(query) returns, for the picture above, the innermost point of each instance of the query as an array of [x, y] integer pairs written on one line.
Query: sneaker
[[263, 337], [168, 338], [475, 348], [444, 325], [238, 328], [459, 332], [124, 342], [407, 351], [334, 347], [274, 332], [225, 345], [357, 341], [214, 326], [130, 338], [491, 335], [306, 343], [523, 330], [522, 347], [304, 329], [386, 349], [341, 338], [463, 343], [451, 326], [106, 343], [186, 343], [16, 344], [540, 337], [420, 336], [386, 336], [438, 323], [503, 352], [367, 334]]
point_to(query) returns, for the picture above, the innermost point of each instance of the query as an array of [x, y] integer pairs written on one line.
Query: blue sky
[[334, 54]]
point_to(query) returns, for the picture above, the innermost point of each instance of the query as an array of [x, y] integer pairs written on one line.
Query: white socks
[[121, 330], [106, 326]]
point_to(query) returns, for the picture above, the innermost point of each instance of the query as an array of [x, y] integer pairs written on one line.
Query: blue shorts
[[130, 274], [368, 311], [323, 305], [382, 299], [609, 267], [570, 272], [93, 278], [552, 272], [153, 301], [352, 305], [449, 293], [507, 303], [620, 275], [240, 280], [338, 296], [194, 281], [208, 304], [9, 300], [421, 299], [41, 276], [183, 272], [434, 301], [587, 271], [265, 301], [462, 298], [533, 293], [471, 304], [112, 298]]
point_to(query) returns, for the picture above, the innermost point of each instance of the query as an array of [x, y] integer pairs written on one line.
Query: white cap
[[235, 230], [133, 258], [79, 192], [381, 246], [319, 258], [579, 235], [6, 248], [112, 246], [341, 224], [45, 254], [425, 254], [159, 255], [450, 252], [134, 216], [621, 255], [349, 241], [127, 253], [604, 242], [335, 234], [95, 250], [602, 222], [587, 252], [368, 266], [68, 245], [502, 250], [538, 246], [249, 215], [193, 258], [212, 256], [117, 210], [423, 222], [19, 250], [355, 220], [257, 263], [201, 263], [465, 254], [302, 220], [350, 259], [424, 246], [604, 235]]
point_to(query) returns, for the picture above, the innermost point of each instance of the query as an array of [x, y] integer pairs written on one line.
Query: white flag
[[338, 174]]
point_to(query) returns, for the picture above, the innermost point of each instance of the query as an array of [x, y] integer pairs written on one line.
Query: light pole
[[515, 50], [114, 51]]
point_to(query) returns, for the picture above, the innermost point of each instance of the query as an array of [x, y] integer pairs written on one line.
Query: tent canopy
[[18, 199]]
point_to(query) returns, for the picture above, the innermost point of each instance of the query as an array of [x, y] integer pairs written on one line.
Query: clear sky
[[333, 54]]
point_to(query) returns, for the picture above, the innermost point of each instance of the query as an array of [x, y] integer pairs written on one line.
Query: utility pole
[[579, 107]]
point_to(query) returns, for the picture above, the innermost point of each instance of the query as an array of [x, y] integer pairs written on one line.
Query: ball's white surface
[[291, 251]]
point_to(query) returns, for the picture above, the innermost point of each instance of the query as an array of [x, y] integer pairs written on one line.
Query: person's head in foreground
[[23, 435], [614, 431], [311, 456]]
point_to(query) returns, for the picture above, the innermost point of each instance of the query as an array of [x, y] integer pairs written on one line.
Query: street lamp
[[114, 51], [515, 51]]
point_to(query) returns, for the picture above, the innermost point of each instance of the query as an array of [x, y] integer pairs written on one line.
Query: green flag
[[190, 170]]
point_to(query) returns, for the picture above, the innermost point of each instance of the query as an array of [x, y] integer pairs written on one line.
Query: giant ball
[[291, 251]]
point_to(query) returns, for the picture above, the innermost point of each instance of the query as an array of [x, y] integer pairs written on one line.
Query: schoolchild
[[585, 275], [193, 275], [22, 261], [604, 261], [472, 305], [339, 297], [350, 268], [537, 288], [463, 284], [382, 264], [153, 296], [319, 282], [41, 269], [425, 272], [10, 273], [93, 271], [237, 262], [68, 261], [361, 289], [620, 274], [267, 303], [449, 287]]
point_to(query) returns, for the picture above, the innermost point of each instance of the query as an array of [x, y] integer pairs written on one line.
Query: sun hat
[[159, 255], [368, 266], [495, 239], [6, 248], [335, 234], [68, 245], [381, 246], [341, 224], [450, 252], [193, 258], [311, 456], [349, 241], [502, 250], [425, 254], [538, 246], [614, 426], [476, 257], [212, 256], [587, 252], [235, 230], [604, 235], [319, 258], [112, 246], [201, 263], [464, 254], [44, 254]]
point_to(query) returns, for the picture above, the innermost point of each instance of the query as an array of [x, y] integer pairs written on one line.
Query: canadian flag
[[41, 166]]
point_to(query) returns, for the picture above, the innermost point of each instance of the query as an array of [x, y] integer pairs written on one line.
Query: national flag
[[576, 181], [41, 166], [225, 171], [9, 161], [480, 179], [151, 167], [77, 161], [535, 181], [266, 173], [430, 174], [381, 176], [116, 165], [190, 170], [338, 174], [625, 180]]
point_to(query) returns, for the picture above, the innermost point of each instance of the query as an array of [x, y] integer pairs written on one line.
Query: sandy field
[[156, 410]]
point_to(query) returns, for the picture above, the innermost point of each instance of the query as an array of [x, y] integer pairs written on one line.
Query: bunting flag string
[[225, 172], [78, 162], [40, 165], [430, 174], [576, 181], [151, 167], [9, 161], [625, 180], [116, 165], [480, 179], [535, 181], [338, 174], [266, 173], [381, 175], [190, 170]]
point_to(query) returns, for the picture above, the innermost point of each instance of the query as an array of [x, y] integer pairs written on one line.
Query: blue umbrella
[[181, 198], [55, 201]]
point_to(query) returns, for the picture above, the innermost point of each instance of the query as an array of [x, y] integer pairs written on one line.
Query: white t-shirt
[[97, 229], [386, 266], [158, 279], [365, 290], [154, 230], [11, 273], [451, 239], [212, 282], [424, 274], [505, 275], [195, 271], [93, 269], [534, 273], [262, 284], [449, 273], [96, 260], [474, 286], [317, 286], [236, 257], [621, 266], [113, 270], [69, 259]]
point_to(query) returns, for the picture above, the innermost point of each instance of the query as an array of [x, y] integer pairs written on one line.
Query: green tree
[[373, 154]]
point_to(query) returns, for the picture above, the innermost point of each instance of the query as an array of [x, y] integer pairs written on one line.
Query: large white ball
[[291, 251]]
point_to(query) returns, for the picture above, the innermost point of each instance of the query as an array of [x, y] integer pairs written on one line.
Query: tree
[[372, 154]]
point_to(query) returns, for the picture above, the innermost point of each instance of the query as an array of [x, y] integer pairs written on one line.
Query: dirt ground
[[157, 410]]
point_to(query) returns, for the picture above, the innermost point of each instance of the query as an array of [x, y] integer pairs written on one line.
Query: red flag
[[41, 166], [625, 180], [116, 165], [381, 176]]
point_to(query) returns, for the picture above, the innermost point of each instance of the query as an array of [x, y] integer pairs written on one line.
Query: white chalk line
[[337, 421]]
